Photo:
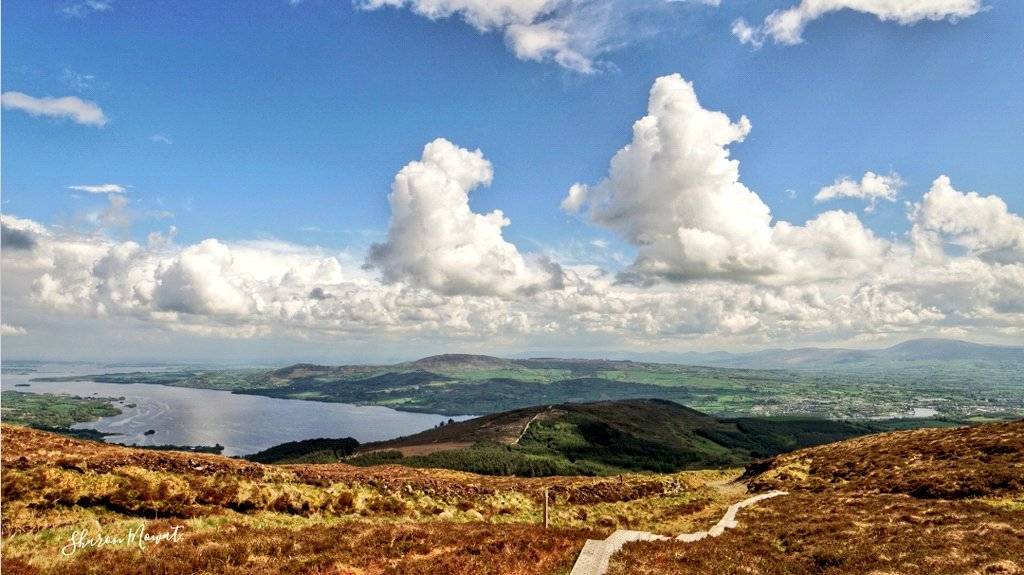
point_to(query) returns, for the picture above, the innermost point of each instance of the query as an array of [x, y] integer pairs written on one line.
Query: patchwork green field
[[50, 411]]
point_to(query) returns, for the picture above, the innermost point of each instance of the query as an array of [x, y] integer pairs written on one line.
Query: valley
[[910, 456], [586, 439], [956, 383]]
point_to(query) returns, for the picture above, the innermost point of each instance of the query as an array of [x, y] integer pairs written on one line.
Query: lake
[[243, 424]]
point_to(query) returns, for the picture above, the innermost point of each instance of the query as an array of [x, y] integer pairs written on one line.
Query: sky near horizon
[[328, 180]]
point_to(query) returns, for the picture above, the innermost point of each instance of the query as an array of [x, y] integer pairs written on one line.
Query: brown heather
[[926, 502], [244, 517], [979, 461], [346, 549]]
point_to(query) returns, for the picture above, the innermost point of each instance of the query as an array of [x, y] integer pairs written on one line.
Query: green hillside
[[602, 438]]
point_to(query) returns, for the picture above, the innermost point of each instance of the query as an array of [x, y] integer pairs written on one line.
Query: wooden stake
[[546, 515]]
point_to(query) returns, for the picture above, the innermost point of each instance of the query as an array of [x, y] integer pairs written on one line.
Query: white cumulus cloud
[[218, 289], [983, 225], [19, 233], [71, 107], [872, 187], [675, 193], [435, 240], [573, 202], [711, 267]]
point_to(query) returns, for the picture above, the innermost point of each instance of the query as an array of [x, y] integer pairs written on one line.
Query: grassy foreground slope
[[928, 502], [600, 438], [920, 502], [241, 517]]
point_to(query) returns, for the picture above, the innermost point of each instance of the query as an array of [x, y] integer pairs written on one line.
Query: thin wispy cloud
[[787, 26], [574, 34], [68, 107], [83, 8], [161, 139], [78, 81], [100, 188], [8, 330]]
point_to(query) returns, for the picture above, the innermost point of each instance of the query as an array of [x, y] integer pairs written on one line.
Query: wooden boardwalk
[[597, 553]]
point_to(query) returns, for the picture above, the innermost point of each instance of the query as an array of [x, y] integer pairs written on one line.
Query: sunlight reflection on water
[[241, 423]]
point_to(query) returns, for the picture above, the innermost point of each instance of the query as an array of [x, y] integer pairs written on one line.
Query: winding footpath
[[596, 553], [528, 423]]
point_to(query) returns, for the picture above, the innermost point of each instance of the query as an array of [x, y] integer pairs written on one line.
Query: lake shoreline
[[242, 423]]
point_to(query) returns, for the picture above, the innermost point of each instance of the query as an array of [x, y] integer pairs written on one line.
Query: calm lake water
[[243, 424]]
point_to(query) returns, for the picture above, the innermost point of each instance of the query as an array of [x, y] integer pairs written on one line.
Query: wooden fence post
[[546, 514]]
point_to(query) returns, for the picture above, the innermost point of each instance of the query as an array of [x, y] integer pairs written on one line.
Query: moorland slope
[[241, 517], [922, 502]]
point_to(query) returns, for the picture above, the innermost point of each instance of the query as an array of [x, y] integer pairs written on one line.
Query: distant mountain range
[[923, 349], [915, 349]]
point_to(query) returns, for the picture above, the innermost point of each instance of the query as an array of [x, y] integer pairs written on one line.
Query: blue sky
[[288, 117], [288, 122]]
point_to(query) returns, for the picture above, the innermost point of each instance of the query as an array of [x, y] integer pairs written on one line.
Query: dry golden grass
[[927, 502], [809, 533], [332, 518], [350, 548]]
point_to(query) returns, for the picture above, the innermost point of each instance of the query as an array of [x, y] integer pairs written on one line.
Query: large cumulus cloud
[[675, 193], [435, 240], [983, 225]]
